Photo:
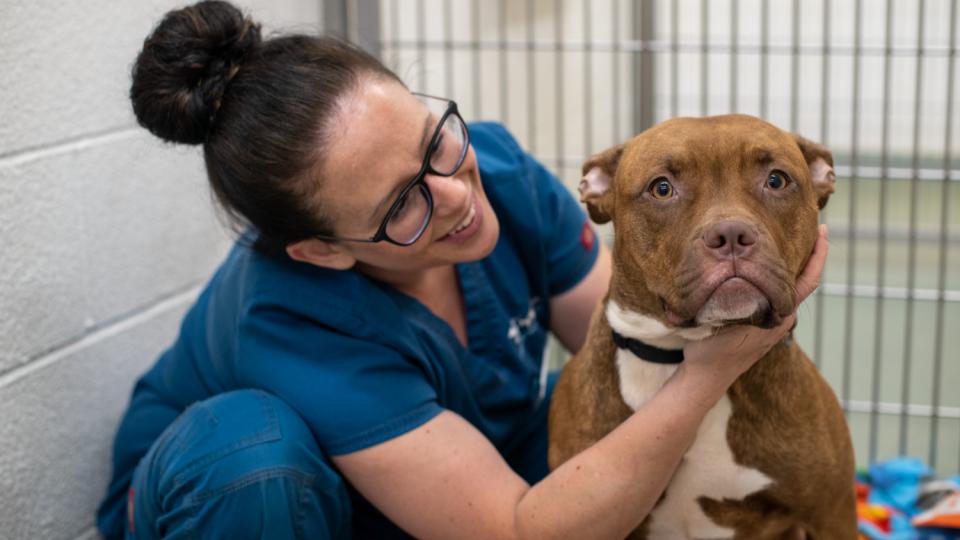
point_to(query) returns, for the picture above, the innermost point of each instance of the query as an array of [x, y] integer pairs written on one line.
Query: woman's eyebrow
[[400, 184]]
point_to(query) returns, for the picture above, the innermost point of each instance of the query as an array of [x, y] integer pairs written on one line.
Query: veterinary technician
[[366, 362]]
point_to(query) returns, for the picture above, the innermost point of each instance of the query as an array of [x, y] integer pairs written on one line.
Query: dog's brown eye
[[777, 180], [661, 188]]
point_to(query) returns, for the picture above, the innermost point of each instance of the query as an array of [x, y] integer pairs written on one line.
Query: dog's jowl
[[714, 220]]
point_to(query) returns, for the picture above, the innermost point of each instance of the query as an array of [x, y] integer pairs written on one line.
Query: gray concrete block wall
[[106, 236]]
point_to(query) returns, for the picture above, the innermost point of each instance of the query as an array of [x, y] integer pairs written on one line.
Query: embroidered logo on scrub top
[[521, 327], [130, 497]]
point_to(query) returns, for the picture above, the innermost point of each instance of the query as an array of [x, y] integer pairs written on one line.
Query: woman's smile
[[467, 227]]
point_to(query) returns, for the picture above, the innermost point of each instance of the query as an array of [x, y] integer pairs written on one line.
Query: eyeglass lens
[[413, 212], [449, 148], [409, 218]]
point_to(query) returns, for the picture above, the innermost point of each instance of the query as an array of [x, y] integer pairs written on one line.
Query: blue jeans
[[244, 465], [239, 465]]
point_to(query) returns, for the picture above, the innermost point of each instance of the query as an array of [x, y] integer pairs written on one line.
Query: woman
[[366, 361]]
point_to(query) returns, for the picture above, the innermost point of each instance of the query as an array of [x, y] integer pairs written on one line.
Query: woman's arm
[[446, 480]]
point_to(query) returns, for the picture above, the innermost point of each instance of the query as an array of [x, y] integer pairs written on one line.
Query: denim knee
[[242, 464]]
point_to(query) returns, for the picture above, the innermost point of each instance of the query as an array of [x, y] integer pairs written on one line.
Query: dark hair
[[261, 109]]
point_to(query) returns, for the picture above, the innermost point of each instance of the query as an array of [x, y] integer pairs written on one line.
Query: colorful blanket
[[900, 499]]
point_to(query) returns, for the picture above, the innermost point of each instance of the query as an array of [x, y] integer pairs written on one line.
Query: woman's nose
[[449, 193]]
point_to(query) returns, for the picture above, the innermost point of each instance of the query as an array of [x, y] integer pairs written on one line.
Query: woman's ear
[[595, 186], [320, 253], [820, 162]]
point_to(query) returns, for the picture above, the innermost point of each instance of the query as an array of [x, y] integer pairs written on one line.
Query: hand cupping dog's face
[[715, 218]]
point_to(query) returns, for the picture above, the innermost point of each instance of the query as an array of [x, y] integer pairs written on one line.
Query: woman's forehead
[[378, 127], [374, 142]]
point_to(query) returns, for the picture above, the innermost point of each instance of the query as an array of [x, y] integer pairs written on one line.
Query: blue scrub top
[[360, 361]]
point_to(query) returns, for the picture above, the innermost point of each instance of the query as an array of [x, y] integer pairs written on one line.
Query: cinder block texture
[[89, 534], [112, 219], [95, 231], [59, 421], [102, 229], [66, 65]]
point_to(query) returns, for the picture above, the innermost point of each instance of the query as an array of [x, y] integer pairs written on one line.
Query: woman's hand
[[733, 350]]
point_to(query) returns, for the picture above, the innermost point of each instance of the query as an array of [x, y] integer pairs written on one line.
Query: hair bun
[[181, 74]]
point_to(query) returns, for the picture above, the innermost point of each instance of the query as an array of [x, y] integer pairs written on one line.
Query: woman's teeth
[[467, 220]]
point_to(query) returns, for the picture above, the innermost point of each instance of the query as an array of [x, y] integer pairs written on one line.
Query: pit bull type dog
[[715, 218]]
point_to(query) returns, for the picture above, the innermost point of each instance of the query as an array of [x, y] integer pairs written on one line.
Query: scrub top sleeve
[[351, 392], [571, 244]]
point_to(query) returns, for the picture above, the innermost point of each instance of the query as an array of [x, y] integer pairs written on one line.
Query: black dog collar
[[647, 352]]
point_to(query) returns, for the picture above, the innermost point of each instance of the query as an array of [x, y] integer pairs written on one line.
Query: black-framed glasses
[[410, 213]]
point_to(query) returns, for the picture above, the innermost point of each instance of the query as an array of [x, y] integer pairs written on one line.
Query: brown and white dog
[[714, 220]]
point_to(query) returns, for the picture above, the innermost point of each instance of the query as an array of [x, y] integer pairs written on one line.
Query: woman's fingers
[[734, 349], [810, 277], [783, 328]]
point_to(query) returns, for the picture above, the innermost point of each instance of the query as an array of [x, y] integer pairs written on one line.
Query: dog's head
[[714, 218]]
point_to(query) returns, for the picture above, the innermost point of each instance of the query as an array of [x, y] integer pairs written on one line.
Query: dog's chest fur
[[708, 469]]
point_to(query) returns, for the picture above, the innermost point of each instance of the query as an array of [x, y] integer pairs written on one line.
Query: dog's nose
[[730, 238]]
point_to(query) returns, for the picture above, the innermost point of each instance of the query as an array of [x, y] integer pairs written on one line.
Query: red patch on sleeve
[[587, 236], [130, 509]]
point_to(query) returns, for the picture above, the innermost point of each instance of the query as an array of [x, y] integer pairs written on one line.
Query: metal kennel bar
[[881, 253], [874, 81], [945, 185], [852, 213], [908, 335]]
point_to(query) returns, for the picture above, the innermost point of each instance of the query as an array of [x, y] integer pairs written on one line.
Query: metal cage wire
[[873, 81]]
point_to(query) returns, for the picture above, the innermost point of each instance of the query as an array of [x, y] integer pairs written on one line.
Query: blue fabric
[[239, 465], [896, 483], [244, 465], [362, 363]]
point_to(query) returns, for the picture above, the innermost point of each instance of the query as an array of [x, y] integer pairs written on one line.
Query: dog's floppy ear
[[595, 187], [820, 161]]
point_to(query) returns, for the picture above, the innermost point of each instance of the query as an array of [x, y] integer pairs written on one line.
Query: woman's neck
[[436, 288], [423, 284]]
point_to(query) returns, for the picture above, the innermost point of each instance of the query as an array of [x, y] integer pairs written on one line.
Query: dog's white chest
[[708, 468]]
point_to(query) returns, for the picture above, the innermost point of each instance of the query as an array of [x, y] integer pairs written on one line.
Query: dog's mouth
[[707, 291], [736, 300]]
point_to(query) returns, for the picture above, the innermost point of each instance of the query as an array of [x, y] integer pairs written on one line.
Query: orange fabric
[[945, 514]]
